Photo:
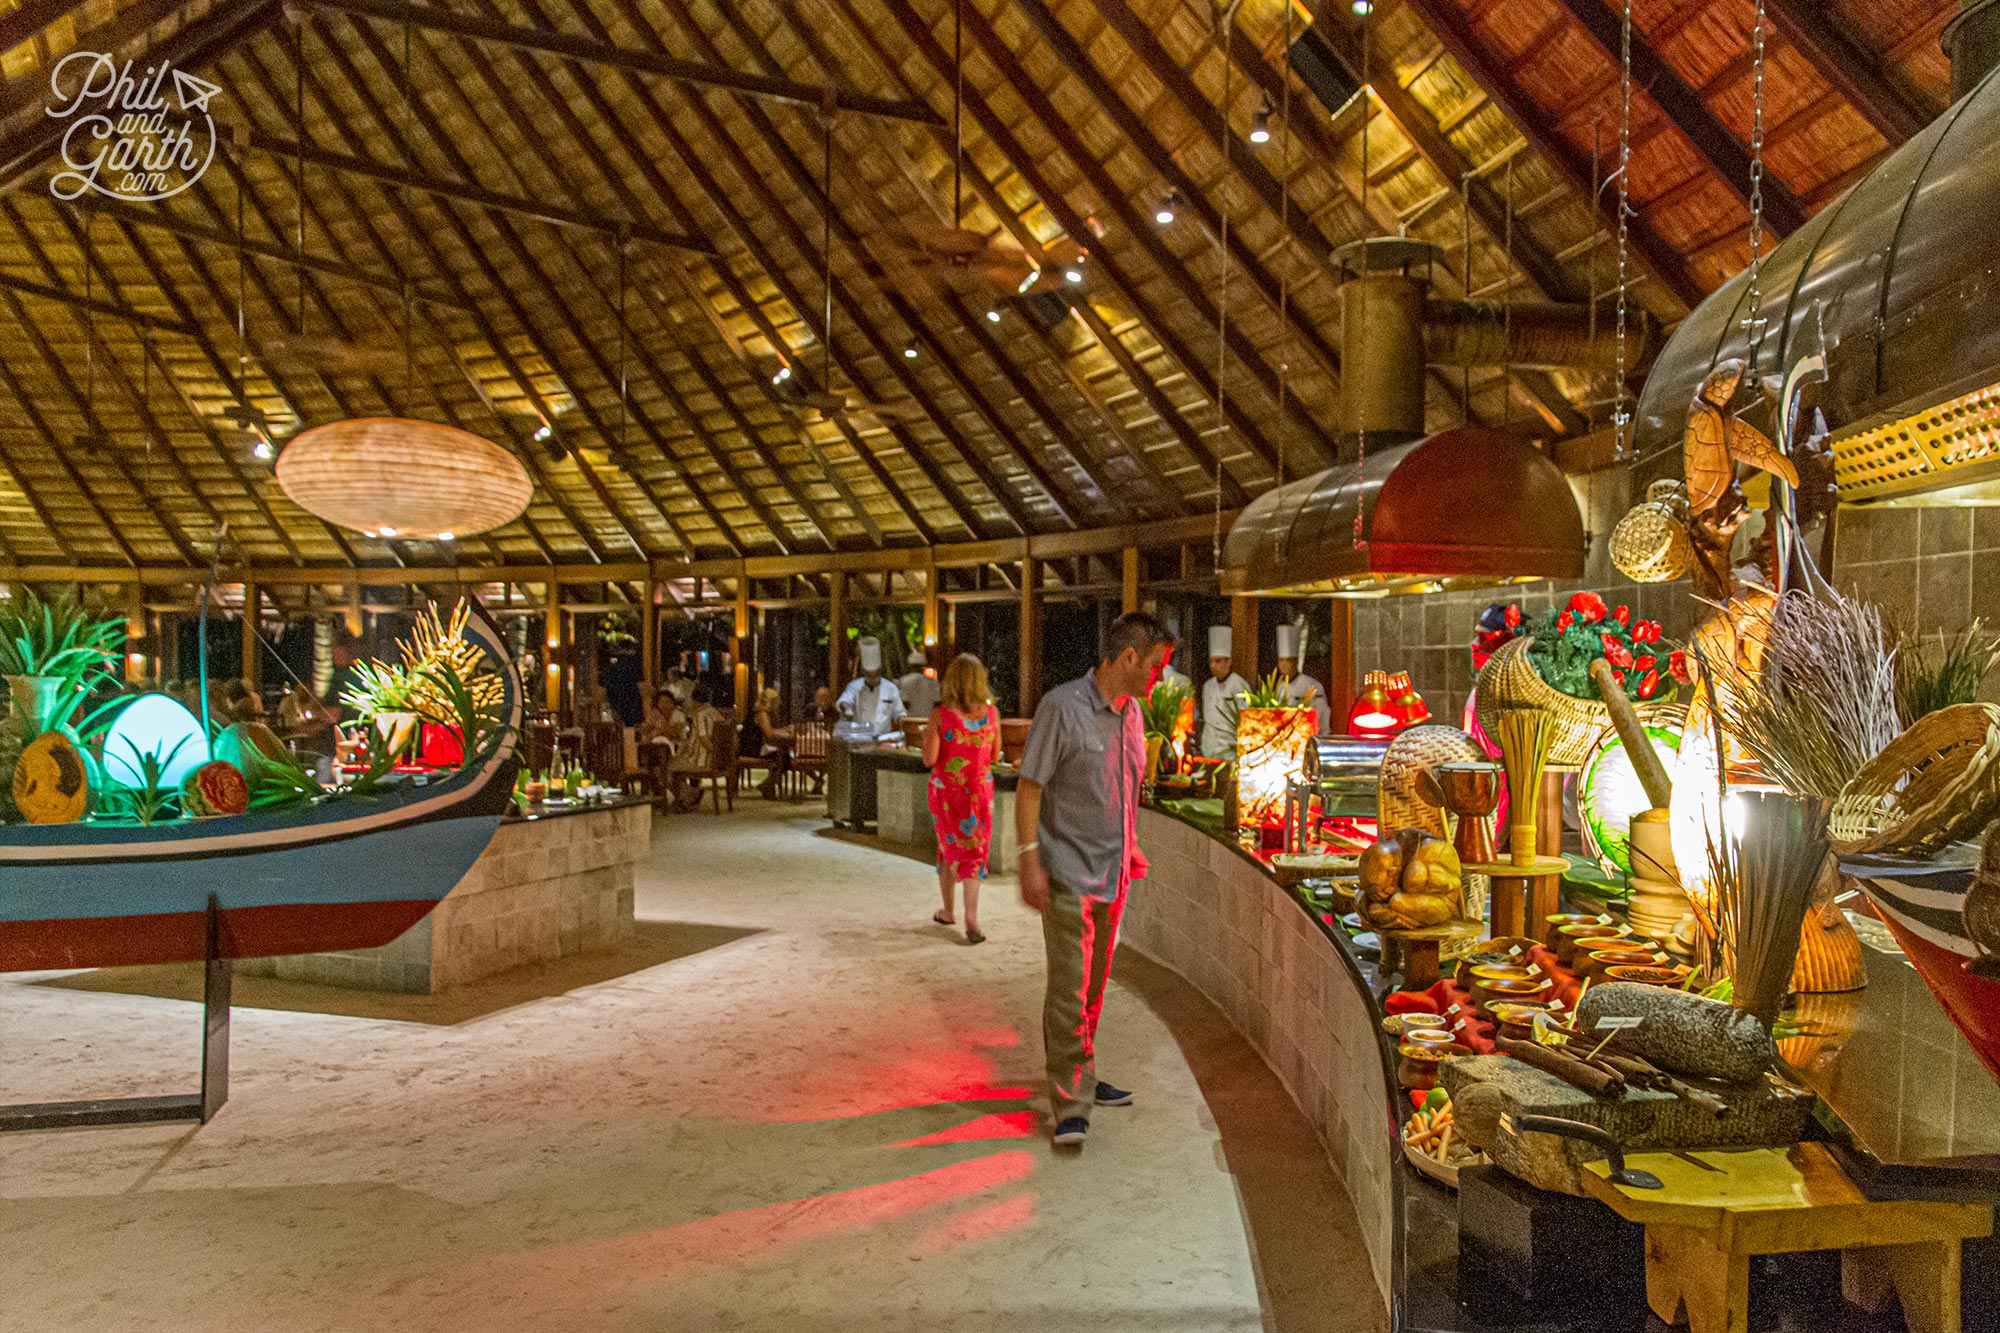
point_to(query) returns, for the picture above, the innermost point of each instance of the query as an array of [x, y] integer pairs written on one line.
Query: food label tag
[[1452, 1010], [1555, 1006], [1617, 1024], [1603, 920], [1534, 969], [1659, 958], [1514, 951]]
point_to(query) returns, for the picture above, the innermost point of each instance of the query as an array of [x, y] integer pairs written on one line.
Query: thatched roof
[[499, 193]]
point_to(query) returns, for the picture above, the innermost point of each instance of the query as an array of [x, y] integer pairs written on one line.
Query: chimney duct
[[1971, 42]]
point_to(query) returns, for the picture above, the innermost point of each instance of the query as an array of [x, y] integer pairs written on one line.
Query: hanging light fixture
[[910, 350], [1260, 124], [1164, 214], [417, 480]]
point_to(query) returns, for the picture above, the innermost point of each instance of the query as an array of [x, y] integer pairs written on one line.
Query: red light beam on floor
[[985, 1222], [1004, 1125]]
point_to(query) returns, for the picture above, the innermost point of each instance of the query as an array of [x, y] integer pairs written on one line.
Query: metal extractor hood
[[1471, 506]]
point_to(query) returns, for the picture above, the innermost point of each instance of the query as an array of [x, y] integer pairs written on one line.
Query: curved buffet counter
[[1901, 1096]]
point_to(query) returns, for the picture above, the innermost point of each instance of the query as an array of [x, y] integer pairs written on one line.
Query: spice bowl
[[1569, 939], [1647, 975], [1418, 1069], [1516, 1018], [1486, 994]]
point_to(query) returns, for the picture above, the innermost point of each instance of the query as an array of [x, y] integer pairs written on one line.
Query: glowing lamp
[[1610, 794], [1405, 703], [156, 725], [1271, 745], [1372, 714], [387, 476]]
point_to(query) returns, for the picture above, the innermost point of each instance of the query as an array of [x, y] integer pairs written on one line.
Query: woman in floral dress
[[961, 743]]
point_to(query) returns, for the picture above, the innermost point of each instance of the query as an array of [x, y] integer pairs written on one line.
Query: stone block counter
[[547, 886], [903, 812]]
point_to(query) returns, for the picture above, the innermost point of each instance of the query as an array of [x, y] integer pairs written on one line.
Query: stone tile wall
[[1229, 930], [903, 816], [1929, 569], [542, 889]]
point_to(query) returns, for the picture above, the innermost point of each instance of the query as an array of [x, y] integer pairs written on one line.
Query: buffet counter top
[[1900, 1089]]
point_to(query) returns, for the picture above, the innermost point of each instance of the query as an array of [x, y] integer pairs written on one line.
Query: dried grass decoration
[[1936, 784], [1523, 736], [1762, 874], [1821, 702]]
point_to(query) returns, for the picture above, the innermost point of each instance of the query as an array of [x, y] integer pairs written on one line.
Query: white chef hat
[[1218, 641], [871, 654], [1288, 641], [915, 659]]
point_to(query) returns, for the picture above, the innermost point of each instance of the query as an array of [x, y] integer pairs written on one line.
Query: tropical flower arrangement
[[1569, 638]]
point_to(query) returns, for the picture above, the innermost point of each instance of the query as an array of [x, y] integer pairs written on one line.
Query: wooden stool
[[1704, 1226], [1522, 893], [1415, 953]]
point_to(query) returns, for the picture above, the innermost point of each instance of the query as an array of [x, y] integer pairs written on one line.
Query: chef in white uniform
[[868, 698], [920, 692], [1218, 698], [1299, 687]]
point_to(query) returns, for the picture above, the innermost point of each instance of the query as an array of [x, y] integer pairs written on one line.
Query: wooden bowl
[[1516, 1018], [1434, 1038], [1486, 994], [1599, 961], [1551, 924], [1568, 938], [1647, 975]]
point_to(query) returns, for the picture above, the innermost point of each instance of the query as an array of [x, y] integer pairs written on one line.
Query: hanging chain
[[1465, 272], [299, 163], [1285, 230], [1367, 221], [1754, 322], [1222, 288], [624, 240], [89, 333], [1621, 418], [957, 109]]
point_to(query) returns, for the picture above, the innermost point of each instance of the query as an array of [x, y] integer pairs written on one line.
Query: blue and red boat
[[346, 872]]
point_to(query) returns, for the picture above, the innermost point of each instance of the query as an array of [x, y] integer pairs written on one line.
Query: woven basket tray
[[1650, 544], [1936, 784]]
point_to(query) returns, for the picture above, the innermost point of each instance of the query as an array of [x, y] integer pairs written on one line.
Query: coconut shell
[[51, 782], [1681, 1032]]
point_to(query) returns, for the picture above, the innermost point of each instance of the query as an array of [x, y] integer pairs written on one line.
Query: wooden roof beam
[[108, 309], [1684, 106], [589, 52], [1449, 26], [1857, 75], [427, 183]]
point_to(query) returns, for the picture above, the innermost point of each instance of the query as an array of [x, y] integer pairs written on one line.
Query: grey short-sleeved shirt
[[1089, 760]]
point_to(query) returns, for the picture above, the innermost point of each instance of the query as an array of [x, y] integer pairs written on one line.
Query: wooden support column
[[740, 648], [552, 643], [836, 629], [1031, 635], [252, 664], [1243, 637], [933, 611], [649, 632], [1340, 669], [1129, 580], [135, 635]]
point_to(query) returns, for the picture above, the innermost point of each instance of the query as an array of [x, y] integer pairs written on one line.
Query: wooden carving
[[1715, 442]]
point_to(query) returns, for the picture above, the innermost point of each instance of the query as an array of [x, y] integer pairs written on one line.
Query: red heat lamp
[[1405, 702], [1373, 714]]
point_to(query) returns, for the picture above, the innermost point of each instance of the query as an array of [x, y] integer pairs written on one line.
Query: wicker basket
[[1650, 544], [1936, 784], [1509, 680], [1418, 750]]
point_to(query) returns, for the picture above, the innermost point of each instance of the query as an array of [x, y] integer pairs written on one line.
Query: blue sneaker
[[1110, 1096], [1069, 1134]]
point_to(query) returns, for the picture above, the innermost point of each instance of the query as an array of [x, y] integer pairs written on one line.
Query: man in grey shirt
[[1079, 850]]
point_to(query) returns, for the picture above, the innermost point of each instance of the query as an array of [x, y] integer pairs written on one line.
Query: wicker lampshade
[[415, 480]]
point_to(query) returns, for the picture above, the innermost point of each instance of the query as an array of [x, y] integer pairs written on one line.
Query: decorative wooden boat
[[1923, 904], [345, 873]]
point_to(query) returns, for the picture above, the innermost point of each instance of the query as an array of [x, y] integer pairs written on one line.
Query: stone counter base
[[542, 889]]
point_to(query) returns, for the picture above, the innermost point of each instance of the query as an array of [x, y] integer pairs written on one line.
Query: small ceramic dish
[[1647, 976], [1516, 1018], [1418, 1068], [1437, 1038]]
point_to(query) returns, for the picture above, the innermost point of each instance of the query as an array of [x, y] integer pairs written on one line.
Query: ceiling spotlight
[[1260, 124], [784, 373], [385, 532], [1034, 276], [909, 351], [993, 317], [1164, 214], [447, 537], [1073, 275], [262, 451], [544, 432], [1363, 8]]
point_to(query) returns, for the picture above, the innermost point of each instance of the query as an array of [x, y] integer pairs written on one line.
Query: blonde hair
[[964, 688], [767, 699]]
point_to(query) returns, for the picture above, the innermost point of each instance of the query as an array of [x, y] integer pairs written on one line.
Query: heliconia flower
[[1563, 621], [1649, 684], [1513, 616], [1645, 663], [1677, 663], [1622, 614], [1587, 606], [1615, 651]]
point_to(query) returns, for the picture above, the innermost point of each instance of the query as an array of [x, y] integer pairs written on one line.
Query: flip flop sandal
[[941, 919], [974, 937]]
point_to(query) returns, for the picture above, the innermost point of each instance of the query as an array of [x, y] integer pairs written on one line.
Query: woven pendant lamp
[[409, 480]]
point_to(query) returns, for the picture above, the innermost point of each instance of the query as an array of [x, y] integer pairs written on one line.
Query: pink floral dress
[[961, 790]]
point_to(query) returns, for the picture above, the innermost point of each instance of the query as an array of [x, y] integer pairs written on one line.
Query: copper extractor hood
[[1469, 506]]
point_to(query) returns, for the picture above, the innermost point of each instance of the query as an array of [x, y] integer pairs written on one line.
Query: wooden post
[[1340, 669], [1031, 635], [740, 649], [1243, 637], [933, 629], [649, 631], [1129, 580], [836, 629], [135, 635], [252, 666], [552, 637]]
